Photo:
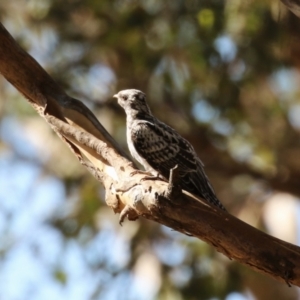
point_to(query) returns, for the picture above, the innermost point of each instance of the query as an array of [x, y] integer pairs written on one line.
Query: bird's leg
[[148, 175], [155, 176]]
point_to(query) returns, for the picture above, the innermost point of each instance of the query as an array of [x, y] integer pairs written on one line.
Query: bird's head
[[132, 101]]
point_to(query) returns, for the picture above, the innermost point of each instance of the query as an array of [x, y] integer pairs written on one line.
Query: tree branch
[[130, 195], [293, 6]]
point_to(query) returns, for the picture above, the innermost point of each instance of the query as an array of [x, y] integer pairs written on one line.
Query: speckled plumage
[[159, 148]]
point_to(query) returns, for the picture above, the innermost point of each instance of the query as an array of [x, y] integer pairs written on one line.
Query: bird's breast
[[134, 130]]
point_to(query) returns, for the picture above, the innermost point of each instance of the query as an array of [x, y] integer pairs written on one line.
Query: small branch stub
[[174, 188]]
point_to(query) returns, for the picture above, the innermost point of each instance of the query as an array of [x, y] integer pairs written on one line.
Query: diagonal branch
[[130, 195], [293, 6]]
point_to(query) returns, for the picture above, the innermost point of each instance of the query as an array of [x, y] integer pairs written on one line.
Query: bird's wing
[[163, 148]]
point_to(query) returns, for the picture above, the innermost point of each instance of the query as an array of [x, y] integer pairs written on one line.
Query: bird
[[159, 148]]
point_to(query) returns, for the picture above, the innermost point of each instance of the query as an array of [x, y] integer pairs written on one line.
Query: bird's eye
[[125, 98]]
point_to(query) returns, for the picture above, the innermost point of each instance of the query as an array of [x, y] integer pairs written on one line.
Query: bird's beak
[[116, 96]]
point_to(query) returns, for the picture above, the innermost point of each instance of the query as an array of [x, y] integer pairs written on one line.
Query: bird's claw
[[148, 175]]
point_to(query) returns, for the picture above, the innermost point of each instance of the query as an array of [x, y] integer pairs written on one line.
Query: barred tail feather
[[198, 184]]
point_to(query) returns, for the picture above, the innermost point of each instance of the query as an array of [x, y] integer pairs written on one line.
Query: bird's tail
[[198, 184]]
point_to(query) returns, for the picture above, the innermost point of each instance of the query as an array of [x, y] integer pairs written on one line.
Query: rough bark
[[130, 193]]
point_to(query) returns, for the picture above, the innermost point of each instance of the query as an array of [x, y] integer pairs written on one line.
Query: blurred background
[[225, 74]]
